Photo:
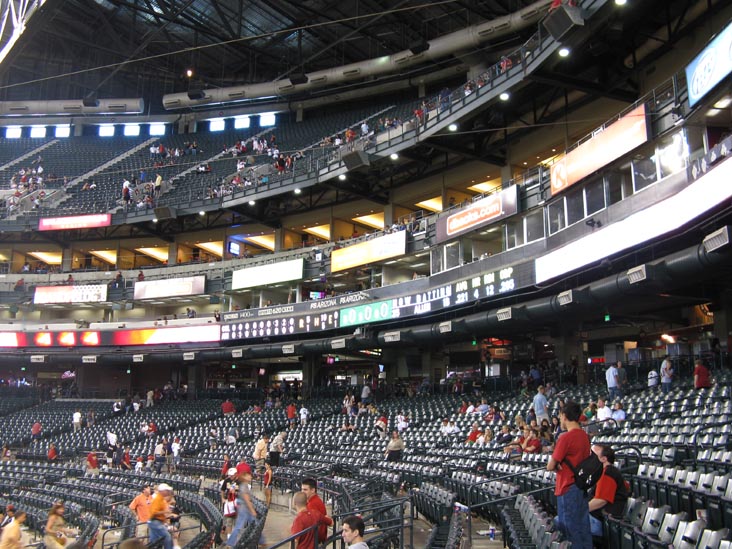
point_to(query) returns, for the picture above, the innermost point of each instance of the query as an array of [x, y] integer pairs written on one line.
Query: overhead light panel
[[565, 298], [504, 314], [637, 274], [716, 240]]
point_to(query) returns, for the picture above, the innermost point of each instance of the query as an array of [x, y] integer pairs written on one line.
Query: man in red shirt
[[306, 518], [310, 488], [228, 408], [52, 453], [572, 447], [702, 379], [291, 414], [92, 463]]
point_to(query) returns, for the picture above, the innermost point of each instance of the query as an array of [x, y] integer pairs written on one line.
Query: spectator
[[92, 463], [11, 533], [267, 483], [160, 513], [610, 493], [572, 447], [667, 374], [653, 378], [613, 385], [618, 413], [36, 430], [395, 448], [141, 507], [315, 505], [227, 407], [541, 405], [140, 276], [56, 534], [304, 522], [76, 420], [245, 511], [353, 529], [702, 378], [260, 453]]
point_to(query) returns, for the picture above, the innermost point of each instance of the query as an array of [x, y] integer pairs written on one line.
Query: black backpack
[[587, 472]]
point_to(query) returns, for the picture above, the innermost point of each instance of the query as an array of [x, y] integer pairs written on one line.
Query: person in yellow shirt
[[11, 533], [160, 516]]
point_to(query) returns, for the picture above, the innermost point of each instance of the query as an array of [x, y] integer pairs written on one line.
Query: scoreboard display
[[369, 307]]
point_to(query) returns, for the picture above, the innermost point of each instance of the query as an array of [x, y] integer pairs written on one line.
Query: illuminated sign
[[80, 293], [656, 220], [272, 273], [619, 138], [365, 314], [370, 251], [170, 287], [96, 338], [358, 309], [74, 222], [710, 67], [483, 212]]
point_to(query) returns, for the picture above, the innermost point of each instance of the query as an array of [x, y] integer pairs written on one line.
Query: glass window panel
[[13, 132], [535, 225], [63, 131], [132, 130], [157, 129], [514, 232], [241, 122], [267, 119], [557, 220], [672, 154], [38, 131], [106, 130], [575, 206], [217, 125], [595, 196]]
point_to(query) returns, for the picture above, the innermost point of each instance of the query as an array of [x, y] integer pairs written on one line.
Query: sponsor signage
[[74, 222], [358, 309], [339, 343], [138, 358], [89, 359], [710, 67], [369, 251], [392, 337], [480, 213], [445, 327], [271, 273], [81, 293], [170, 287], [237, 353], [617, 139], [36, 359], [288, 349], [189, 356]]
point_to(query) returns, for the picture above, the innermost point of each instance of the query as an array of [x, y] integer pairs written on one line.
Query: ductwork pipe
[[470, 37], [72, 107]]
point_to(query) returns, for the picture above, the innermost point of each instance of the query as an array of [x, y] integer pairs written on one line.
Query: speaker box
[[300, 78], [90, 101], [562, 20], [196, 94], [418, 47], [356, 159], [164, 213]]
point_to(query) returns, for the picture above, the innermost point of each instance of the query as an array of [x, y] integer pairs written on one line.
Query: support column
[[506, 175], [569, 349], [67, 259], [723, 325], [195, 380], [310, 372], [172, 253], [388, 215], [279, 239]]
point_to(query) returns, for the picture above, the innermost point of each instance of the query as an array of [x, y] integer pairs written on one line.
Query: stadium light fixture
[[201, 213], [394, 156], [342, 177], [297, 191], [563, 52], [504, 96], [452, 127]]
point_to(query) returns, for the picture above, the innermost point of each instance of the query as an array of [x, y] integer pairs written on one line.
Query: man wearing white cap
[[160, 516], [229, 489]]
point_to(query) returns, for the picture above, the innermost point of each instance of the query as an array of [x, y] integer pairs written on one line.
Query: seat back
[[669, 526]]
